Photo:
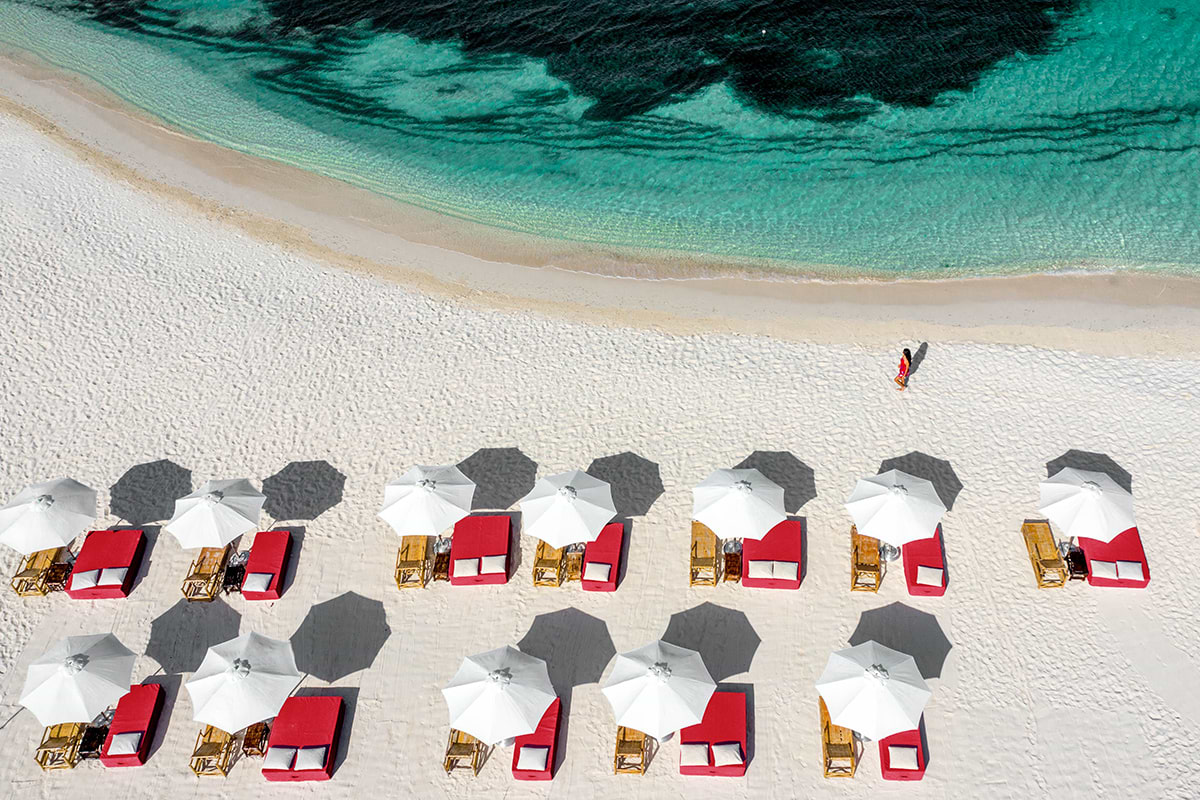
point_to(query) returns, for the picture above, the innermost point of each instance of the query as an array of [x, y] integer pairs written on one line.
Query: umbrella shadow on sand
[[576, 648], [1091, 462], [636, 482], [180, 637], [797, 479], [147, 492], [937, 471], [723, 637], [340, 636], [303, 490], [909, 631], [502, 476]]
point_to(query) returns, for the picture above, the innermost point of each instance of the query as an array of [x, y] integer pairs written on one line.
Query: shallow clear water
[[932, 137]]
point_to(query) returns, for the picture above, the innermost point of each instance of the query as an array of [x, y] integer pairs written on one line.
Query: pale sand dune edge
[[134, 329]]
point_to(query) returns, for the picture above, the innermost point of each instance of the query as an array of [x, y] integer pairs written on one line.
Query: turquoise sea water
[[912, 137]]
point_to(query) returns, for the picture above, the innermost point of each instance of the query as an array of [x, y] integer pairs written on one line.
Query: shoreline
[[304, 212]]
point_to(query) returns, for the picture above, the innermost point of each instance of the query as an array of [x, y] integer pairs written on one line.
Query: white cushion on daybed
[[929, 576], [533, 757], [1104, 569], [311, 757], [466, 567], [125, 744], [490, 565], [597, 571], [786, 570], [902, 756], [85, 580], [1130, 571], [112, 576], [279, 758], [760, 570], [728, 754], [693, 755], [257, 582]]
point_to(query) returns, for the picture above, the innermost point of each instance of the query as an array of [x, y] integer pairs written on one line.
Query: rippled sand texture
[[892, 136], [133, 330]]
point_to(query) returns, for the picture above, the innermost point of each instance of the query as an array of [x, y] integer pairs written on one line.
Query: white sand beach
[[138, 325]]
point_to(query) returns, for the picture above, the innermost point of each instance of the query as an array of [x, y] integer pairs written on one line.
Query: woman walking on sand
[[905, 363]]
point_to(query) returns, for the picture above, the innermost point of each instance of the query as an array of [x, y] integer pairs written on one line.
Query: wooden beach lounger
[[1049, 569], [717, 746], [479, 550], [602, 559], [412, 562], [533, 753], [775, 561], [60, 746], [33, 575], [267, 565], [304, 739], [704, 569], [213, 752], [902, 755], [106, 565], [838, 751], [463, 751], [632, 753], [925, 566], [132, 727], [548, 565], [1120, 563], [203, 581], [866, 567]]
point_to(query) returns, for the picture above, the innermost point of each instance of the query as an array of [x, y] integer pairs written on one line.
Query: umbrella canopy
[[47, 515], [499, 694], [425, 501], [738, 503], [896, 507], [567, 508], [216, 514], [1089, 504], [659, 688], [77, 678], [243, 681], [874, 690]]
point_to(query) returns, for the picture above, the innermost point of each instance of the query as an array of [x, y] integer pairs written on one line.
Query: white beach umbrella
[[47, 515], [738, 503], [243, 681], [874, 690], [216, 513], [1087, 504], [567, 508], [77, 678], [499, 694], [896, 507], [425, 501], [659, 688]]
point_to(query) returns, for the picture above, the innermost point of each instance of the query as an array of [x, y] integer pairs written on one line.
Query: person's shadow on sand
[[917, 358]]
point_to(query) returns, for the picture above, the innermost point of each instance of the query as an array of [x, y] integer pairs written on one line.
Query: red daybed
[[724, 723], [479, 550], [303, 727], [926, 553], [893, 770], [1119, 563], [97, 572], [137, 713], [775, 561], [544, 737], [268, 557], [604, 551]]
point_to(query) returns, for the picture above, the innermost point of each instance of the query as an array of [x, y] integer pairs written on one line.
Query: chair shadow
[[748, 690], [349, 695], [652, 751], [151, 534], [171, 685], [293, 567], [797, 478], [1092, 462]]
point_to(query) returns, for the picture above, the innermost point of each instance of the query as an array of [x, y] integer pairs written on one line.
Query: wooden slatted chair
[[412, 562], [632, 752], [705, 568], [1049, 569], [31, 577], [548, 565], [59, 748], [254, 740], [463, 751], [866, 567], [213, 752], [206, 574], [839, 756]]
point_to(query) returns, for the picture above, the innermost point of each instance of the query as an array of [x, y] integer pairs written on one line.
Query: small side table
[[733, 568], [254, 741]]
